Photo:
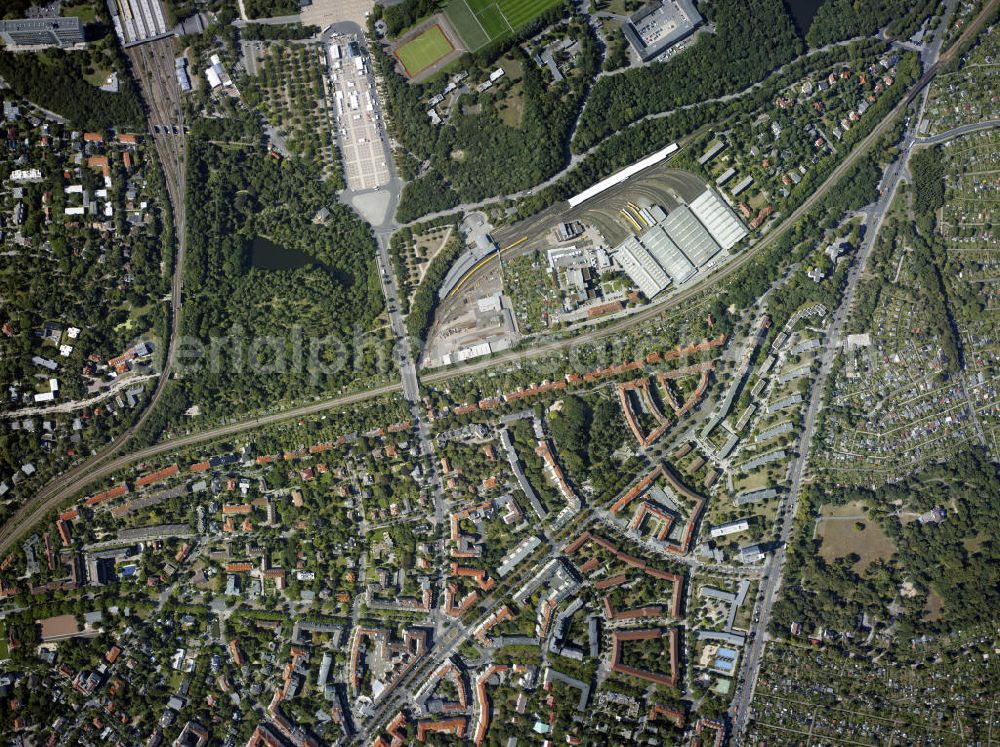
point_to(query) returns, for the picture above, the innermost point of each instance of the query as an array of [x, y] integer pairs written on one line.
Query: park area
[[848, 529], [480, 22], [422, 51]]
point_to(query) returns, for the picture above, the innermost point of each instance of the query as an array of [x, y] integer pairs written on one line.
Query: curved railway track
[[158, 56]]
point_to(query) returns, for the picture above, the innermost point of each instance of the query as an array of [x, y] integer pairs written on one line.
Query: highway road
[[69, 484], [66, 486], [874, 215]]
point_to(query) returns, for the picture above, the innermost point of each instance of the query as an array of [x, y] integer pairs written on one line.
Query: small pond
[[803, 12], [266, 255]]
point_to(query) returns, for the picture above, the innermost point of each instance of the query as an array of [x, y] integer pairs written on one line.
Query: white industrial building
[[668, 254], [622, 175], [677, 245], [690, 235], [718, 218], [137, 20], [216, 74], [645, 271]]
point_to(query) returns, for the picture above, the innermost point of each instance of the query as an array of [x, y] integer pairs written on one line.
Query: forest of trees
[[271, 8], [931, 288], [234, 196], [54, 81], [478, 155], [586, 437], [836, 20], [931, 556], [929, 258], [927, 167], [400, 17], [418, 321], [280, 32], [752, 38], [642, 138]]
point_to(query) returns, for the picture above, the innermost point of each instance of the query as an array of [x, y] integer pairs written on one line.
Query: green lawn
[[422, 51], [494, 22], [467, 25], [98, 78], [480, 22], [85, 12]]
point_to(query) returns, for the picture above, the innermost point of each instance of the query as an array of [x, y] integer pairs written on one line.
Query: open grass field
[[480, 22], [424, 50], [934, 607], [840, 537]]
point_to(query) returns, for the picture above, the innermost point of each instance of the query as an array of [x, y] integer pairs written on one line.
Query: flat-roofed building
[[710, 592], [656, 27], [725, 176], [516, 555], [730, 527], [667, 254], [645, 272], [754, 496], [691, 236], [50, 32], [711, 153], [752, 553], [742, 184], [718, 218]]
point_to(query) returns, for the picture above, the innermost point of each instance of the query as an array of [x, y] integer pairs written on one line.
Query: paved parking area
[[360, 127], [324, 12]]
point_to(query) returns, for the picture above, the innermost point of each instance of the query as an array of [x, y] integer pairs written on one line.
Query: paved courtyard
[[324, 12], [360, 128]]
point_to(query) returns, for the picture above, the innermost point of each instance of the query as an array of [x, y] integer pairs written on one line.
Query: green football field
[[480, 22], [424, 50]]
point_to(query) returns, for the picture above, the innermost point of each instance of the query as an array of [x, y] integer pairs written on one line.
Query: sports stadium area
[[476, 23], [422, 51], [480, 22]]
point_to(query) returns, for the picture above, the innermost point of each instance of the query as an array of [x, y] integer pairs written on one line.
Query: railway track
[[173, 156], [153, 66]]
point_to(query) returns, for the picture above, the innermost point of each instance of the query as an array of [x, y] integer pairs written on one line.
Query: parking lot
[[360, 129]]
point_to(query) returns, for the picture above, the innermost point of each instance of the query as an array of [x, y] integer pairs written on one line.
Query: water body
[[803, 11], [266, 255]]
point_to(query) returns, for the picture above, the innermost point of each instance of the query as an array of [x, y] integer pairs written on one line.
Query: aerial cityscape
[[499, 372]]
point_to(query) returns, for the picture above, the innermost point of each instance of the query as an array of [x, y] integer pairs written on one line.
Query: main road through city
[[874, 215], [64, 487]]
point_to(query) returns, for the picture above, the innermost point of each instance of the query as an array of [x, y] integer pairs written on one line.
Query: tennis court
[[424, 50], [480, 22]]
